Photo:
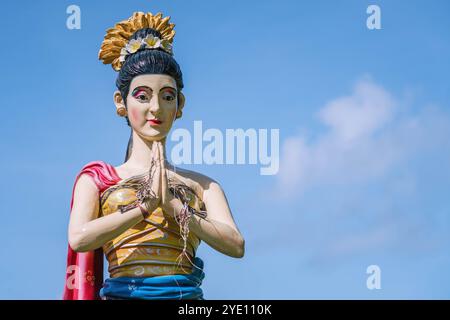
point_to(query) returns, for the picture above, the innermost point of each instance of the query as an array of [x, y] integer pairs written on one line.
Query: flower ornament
[[149, 42], [117, 43], [152, 42], [134, 45]]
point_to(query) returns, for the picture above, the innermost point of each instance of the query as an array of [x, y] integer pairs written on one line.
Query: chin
[[153, 135]]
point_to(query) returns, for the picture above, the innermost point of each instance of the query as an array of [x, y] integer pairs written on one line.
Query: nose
[[154, 105]]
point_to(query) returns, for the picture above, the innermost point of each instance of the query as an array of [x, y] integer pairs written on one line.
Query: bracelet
[[129, 207], [144, 211]]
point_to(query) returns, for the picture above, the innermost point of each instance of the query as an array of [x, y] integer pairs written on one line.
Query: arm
[[218, 229], [86, 231]]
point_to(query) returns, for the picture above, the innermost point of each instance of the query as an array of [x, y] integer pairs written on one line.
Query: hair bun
[[112, 50]]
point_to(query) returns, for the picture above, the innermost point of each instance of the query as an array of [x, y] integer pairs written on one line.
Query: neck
[[141, 152]]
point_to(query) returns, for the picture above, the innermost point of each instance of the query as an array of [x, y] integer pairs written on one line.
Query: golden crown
[[117, 44]]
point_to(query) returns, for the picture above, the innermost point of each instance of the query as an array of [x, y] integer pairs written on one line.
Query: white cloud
[[356, 117], [365, 172], [367, 134], [375, 186]]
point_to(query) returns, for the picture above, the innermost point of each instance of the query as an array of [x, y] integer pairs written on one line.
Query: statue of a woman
[[146, 216]]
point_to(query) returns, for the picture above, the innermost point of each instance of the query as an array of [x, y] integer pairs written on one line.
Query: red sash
[[84, 272]]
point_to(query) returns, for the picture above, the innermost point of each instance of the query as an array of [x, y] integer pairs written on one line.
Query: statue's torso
[[149, 248]]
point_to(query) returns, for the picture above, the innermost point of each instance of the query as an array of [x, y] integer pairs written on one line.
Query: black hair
[[146, 61]]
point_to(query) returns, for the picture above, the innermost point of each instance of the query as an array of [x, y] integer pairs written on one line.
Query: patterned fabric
[[178, 287], [152, 247]]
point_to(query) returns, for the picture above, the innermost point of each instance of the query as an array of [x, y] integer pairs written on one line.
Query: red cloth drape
[[84, 272]]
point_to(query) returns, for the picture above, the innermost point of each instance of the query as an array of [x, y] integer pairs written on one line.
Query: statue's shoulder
[[103, 174], [196, 177]]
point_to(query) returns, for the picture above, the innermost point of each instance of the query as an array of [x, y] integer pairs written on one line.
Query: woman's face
[[152, 105]]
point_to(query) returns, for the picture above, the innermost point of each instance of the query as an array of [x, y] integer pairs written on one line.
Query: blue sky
[[364, 122]]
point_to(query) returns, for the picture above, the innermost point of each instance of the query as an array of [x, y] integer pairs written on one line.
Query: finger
[[157, 176], [157, 186], [162, 153], [163, 166], [163, 174], [162, 145], [155, 149], [153, 166], [154, 152], [163, 187]]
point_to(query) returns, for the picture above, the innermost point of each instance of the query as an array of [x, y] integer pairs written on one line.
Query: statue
[[146, 216]]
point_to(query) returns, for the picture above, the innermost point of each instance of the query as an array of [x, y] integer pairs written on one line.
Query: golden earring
[[122, 111]]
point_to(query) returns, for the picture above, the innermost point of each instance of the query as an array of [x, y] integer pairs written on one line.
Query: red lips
[[154, 122]]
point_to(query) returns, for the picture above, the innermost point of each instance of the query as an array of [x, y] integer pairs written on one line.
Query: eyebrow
[[169, 87], [138, 89], [146, 87]]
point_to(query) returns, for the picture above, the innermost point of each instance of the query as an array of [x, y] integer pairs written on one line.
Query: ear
[[181, 101], [118, 101]]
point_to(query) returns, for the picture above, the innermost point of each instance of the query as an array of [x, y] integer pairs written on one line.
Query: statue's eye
[[169, 97], [169, 94], [140, 95]]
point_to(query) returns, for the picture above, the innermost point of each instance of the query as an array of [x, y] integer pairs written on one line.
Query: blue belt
[[178, 286]]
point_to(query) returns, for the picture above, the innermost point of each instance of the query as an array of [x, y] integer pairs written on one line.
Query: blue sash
[[178, 286]]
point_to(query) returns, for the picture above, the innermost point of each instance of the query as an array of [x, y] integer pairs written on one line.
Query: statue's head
[[149, 80]]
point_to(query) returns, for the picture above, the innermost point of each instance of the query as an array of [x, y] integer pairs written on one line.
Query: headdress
[[117, 43]]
